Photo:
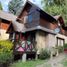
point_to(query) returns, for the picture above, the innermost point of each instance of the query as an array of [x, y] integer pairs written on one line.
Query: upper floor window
[[33, 16], [30, 18]]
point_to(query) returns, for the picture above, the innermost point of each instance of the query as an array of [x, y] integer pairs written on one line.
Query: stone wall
[[44, 40], [40, 40], [51, 40]]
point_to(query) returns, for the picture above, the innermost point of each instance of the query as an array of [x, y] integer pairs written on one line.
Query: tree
[[0, 6], [56, 7], [15, 6]]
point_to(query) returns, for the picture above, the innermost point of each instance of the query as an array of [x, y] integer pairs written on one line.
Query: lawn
[[32, 63], [64, 61]]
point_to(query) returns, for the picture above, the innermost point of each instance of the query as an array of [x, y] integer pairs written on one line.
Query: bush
[[60, 49], [6, 52], [65, 46], [44, 54]]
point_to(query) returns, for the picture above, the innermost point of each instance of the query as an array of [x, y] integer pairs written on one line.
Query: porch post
[[13, 39], [57, 53], [24, 57]]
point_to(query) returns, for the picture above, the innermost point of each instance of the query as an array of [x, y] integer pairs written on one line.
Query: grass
[[32, 63], [64, 62]]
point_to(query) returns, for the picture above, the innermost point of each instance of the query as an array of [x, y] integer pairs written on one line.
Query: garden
[[6, 53], [7, 59]]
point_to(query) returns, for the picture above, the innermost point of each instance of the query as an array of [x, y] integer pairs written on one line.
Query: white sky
[[5, 3]]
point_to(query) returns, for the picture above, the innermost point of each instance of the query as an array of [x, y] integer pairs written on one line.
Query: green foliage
[[44, 54], [0, 6], [54, 10], [64, 61], [31, 63], [6, 52], [65, 46], [59, 2], [60, 49], [15, 6], [5, 45], [6, 57], [56, 7]]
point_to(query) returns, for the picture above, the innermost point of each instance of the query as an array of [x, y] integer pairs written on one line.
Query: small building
[[63, 29], [34, 29], [5, 20]]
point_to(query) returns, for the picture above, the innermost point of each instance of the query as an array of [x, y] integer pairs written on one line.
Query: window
[[33, 16], [60, 41], [30, 18]]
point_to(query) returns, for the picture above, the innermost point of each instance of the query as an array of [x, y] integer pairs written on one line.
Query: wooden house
[[5, 20], [35, 29]]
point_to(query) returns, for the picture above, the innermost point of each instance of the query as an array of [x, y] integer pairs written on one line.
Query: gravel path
[[53, 62]]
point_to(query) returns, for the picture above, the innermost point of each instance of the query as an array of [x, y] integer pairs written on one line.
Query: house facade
[[35, 29], [3, 27], [5, 20]]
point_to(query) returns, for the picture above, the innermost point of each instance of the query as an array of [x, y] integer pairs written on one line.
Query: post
[[57, 53], [24, 57], [13, 39]]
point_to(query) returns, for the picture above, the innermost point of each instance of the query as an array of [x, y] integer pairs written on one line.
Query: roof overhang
[[60, 19], [42, 12], [38, 28], [7, 16]]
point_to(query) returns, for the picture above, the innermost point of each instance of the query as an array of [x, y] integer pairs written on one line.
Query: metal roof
[[7, 16]]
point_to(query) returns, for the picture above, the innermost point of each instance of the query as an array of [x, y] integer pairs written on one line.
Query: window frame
[[61, 39]]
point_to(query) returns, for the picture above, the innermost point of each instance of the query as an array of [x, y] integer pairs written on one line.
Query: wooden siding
[[30, 10], [44, 23], [53, 26], [49, 25], [25, 11], [4, 26]]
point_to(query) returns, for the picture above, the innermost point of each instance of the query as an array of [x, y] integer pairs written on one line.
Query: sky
[[5, 4]]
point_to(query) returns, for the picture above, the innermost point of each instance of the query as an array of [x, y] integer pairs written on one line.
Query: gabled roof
[[43, 13], [16, 26], [7, 16], [60, 19], [19, 27]]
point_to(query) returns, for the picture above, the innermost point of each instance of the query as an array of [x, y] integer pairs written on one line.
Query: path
[[54, 62]]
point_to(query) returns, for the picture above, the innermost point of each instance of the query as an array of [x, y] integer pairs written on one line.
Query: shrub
[[60, 49], [65, 46], [6, 57], [6, 52], [44, 54], [53, 51]]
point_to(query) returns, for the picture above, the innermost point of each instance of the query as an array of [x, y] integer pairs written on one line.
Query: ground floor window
[[60, 41]]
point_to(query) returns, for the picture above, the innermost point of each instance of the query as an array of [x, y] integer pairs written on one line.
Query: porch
[[29, 44]]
